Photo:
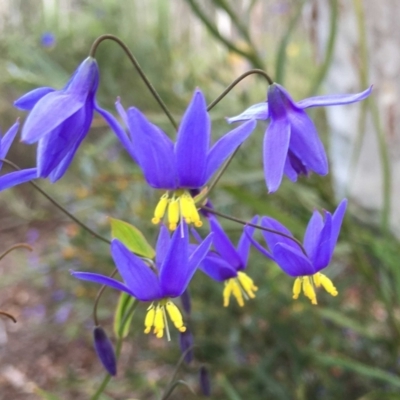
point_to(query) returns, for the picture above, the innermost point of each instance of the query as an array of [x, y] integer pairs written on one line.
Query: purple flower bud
[[205, 384], [186, 341], [186, 302], [105, 350]]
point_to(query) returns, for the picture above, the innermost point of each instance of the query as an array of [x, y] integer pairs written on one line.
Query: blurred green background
[[274, 348]]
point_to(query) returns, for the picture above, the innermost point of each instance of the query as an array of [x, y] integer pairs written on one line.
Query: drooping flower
[[13, 178], [174, 269], [59, 120], [179, 167], [291, 142], [227, 263], [305, 263]]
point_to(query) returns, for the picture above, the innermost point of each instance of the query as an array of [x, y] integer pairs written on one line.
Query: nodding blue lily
[[174, 268], [291, 143], [305, 263], [179, 167], [13, 178], [59, 120], [227, 263]]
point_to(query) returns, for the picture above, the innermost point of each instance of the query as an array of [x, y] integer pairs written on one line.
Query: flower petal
[[217, 268], [192, 143], [244, 244], [29, 100], [49, 113], [7, 141], [139, 278], [102, 280], [276, 145], [258, 246], [117, 129], [226, 146], [289, 171], [305, 143], [15, 178], [312, 233], [153, 151], [273, 238], [223, 245], [293, 262], [337, 220], [163, 243], [323, 252], [333, 99], [257, 111]]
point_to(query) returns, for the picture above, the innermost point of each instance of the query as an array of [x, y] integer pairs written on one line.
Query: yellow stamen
[[156, 318], [297, 288], [160, 209], [307, 283], [241, 288], [173, 213]]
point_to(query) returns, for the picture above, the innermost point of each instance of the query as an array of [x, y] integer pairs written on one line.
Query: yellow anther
[[160, 209], [247, 284], [297, 288], [149, 320], [227, 292], [308, 290], [176, 316], [317, 279], [159, 322], [237, 292], [328, 285], [173, 213]]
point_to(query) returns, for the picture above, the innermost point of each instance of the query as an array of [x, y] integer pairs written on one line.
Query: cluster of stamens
[[308, 283], [156, 318], [242, 287], [179, 204]]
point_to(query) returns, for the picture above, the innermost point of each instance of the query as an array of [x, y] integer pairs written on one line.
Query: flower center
[[157, 317], [308, 283], [179, 204], [242, 287]]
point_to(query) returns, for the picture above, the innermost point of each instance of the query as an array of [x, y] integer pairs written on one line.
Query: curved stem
[[16, 246], [6, 314], [240, 221], [236, 81], [136, 64], [58, 205], [98, 296]]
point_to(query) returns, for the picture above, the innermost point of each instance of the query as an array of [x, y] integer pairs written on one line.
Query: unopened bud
[[205, 384], [186, 341], [186, 302], [105, 350]]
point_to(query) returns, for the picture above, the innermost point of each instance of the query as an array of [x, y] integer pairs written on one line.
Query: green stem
[[139, 69]]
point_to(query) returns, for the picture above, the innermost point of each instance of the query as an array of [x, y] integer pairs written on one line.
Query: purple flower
[[227, 263], [59, 120], [174, 269], [13, 178], [105, 350], [178, 167], [291, 142], [48, 39], [305, 263]]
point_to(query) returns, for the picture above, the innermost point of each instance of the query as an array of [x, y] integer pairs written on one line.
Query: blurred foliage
[[347, 347]]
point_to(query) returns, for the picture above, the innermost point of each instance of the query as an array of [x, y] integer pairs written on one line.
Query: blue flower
[[305, 263], [291, 142], [48, 39], [179, 167], [59, 120], [174, 269], [14, 178], [227, 263]]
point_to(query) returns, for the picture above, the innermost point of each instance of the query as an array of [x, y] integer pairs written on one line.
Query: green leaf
[[123, 315], [131, 237]]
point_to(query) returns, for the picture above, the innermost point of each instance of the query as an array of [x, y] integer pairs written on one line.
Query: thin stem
[[236, 81], [96, 301], [58, 205], [240, 221], [139, 69], [6, 314], [16, 246]]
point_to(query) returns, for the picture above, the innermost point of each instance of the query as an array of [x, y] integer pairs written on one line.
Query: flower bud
[[205, 384], [186, 341], [105, 350], [186, 302]]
